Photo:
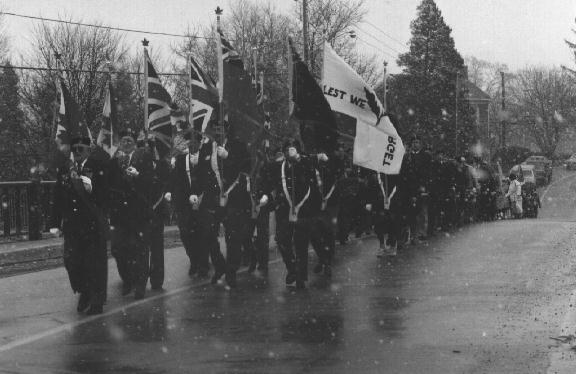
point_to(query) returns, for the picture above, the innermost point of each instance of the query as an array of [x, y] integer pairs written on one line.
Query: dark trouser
[[209, 247], [348, 208], [131, 251], [434, 215], [189, 228], [386, 222], [236, 223], [262, 242], [86, 261], [323, 236], [293, 239], [157, 249]]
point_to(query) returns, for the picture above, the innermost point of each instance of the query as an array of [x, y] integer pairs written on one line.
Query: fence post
[[5, 211], [34, 212]]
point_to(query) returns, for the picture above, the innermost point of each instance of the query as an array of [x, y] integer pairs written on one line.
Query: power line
[[379, 41], [373, 46], [103, 27], [385, 33], [82, 70]]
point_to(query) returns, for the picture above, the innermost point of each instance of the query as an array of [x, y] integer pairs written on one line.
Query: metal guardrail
[[25, 208]]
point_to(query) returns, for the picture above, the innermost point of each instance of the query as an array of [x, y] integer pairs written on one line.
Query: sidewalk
[[24, 256]]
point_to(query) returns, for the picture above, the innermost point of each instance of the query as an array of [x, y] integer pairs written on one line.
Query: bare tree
[[83, 51], [543, 102]]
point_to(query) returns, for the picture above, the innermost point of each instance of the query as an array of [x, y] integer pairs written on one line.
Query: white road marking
[[72, 325]]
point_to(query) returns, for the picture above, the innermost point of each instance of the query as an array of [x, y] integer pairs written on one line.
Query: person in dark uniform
[[292, 181], [323, 237], [383, 199], [160, 180], [210, 208], [80, 200], [185, 192], [417, 167], [488, 187], [131, 176], [262, 206], [348, 200], [238, 205]]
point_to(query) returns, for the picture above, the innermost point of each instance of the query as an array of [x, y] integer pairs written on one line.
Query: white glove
[[322, 157], [369, 207], [55, 231], [264, 200], [173, 162], [87, 182], [222, 153], [168, 196], [193, 199], [131, 171], [194, 158]]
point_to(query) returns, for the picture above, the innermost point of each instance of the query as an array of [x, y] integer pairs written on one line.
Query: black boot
[[231, 279], [83, 302]]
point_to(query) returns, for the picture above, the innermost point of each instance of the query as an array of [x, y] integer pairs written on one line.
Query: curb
[[49, 252]]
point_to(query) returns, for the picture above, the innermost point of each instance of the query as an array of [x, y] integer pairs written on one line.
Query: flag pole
[[190, 92], [385, 111], [145, 45], [109, 83], [219, 12]]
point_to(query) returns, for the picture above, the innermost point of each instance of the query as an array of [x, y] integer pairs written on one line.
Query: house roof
[[475, 93]]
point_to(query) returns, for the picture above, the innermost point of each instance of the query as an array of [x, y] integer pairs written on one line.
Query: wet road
[[487, 299]]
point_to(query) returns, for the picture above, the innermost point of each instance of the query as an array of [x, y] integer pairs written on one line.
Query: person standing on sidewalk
[[80, 199], [417, 166]]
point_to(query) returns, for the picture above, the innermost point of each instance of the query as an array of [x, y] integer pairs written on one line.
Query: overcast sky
[[515, 32]]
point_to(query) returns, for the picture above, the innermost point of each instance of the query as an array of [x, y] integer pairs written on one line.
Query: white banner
[[377, 145]]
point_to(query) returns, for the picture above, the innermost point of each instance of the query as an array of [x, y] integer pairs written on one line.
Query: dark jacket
[[75, 210], [183, 185], [300, 178], [132, 195]]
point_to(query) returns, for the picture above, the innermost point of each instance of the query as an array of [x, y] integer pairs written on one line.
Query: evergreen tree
[[13, 139], [423, 95]]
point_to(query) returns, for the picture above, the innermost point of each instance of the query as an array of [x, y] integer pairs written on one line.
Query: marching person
[[237, 204], [80, 198], [348, 201], [160, 180], [185, 192], [261, 209], [210, 208], [131, 177], [385, 203], [323, 237], [292, 181]]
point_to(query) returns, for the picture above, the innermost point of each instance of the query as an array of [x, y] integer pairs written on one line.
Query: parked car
[[570, 164], [527, 172], [542, 168]]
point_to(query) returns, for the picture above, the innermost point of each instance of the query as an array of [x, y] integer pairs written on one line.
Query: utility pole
[[305, 29], [385, 88], [456, 111], [503, 136]]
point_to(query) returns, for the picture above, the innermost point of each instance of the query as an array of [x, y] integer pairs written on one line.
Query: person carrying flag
[[131, 179], [292, 181], [80, 201]]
